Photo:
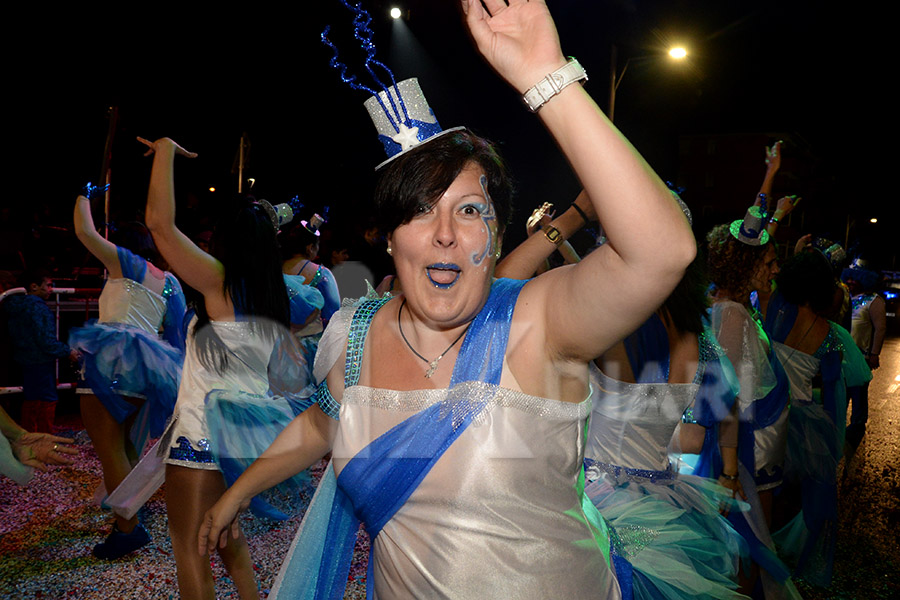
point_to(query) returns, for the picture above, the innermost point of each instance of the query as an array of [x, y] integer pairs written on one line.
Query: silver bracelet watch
[[552, 84]]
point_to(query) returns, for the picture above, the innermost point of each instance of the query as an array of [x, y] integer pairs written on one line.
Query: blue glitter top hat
[[832, 251], [403, 119], [751, 230], [281, 214], [399, 111]]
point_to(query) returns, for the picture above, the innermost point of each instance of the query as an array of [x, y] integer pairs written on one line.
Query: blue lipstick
[[443, 271]]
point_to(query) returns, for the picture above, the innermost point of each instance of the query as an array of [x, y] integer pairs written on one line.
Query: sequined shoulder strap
[[320, 273], [709, 350], [356, 339], [831, 343]]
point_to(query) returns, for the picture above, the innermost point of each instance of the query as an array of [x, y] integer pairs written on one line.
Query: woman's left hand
[[517, 38]]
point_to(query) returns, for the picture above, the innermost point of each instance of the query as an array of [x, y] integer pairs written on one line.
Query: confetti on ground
[[48, 528]]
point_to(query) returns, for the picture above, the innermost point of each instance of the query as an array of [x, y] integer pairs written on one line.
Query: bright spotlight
[[678, 53], [396, 13], [873, 220], [212, 189]]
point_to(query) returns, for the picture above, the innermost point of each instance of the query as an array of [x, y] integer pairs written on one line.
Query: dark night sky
[[204, 76]]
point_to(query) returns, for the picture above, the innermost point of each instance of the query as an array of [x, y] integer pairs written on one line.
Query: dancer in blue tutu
[[810, 348], [300, 246], [130, 372], [741, 258], [670, 539], [241, 324]]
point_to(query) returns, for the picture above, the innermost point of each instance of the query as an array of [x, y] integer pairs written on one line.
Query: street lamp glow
[[396, 12], [678, 53], [873, 220]]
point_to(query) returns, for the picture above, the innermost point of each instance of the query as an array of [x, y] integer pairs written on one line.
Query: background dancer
[[131, 375], [812, 348], [245, 312], [741, 259], [641, 389]]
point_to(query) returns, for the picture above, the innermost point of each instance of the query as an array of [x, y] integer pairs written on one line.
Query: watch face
[[553, 235]]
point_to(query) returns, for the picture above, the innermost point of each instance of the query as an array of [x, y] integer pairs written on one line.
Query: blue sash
[[717, 394], [379, 480]]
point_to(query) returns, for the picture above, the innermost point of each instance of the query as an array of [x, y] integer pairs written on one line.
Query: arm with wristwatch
[[527, 258]]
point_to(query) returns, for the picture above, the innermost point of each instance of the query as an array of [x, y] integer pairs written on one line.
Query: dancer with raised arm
[[131, 374], [245, 313], [465, 398]]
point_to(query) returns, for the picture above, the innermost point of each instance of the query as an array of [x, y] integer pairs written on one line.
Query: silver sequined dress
[[500, 514]]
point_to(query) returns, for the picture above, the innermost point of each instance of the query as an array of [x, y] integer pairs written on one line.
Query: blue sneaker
[[119, 544]]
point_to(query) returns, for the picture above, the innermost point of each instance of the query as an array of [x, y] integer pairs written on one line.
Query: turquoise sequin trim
[[831, 343], [326, 401], [320, 273], [169, 289], [359, 327]]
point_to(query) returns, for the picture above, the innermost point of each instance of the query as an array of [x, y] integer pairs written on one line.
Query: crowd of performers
[[656, 420]]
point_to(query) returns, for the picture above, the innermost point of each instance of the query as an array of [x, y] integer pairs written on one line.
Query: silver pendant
[[432, 368]]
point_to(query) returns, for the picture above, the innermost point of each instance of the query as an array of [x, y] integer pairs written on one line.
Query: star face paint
[[489, 218]]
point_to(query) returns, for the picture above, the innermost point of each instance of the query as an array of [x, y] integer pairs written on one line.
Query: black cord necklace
[[432, 364]]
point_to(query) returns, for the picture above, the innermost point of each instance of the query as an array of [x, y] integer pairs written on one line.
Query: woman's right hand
[[218, 520], [773, 157], [41, 449], [165, 143]]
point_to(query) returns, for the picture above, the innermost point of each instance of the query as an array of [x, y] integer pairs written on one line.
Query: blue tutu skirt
[[241, 427], [122, 360], [807, 543], [671, 533]]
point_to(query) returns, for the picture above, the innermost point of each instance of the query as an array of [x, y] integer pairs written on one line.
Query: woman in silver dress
[[461, 438]]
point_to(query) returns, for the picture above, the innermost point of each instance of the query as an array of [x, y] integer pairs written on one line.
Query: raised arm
[[786, 204], [86, 232], [773, 164], [197, 268], [591, 305]]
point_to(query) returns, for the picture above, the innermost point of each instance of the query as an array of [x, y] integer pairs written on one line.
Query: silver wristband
[[553, 84]]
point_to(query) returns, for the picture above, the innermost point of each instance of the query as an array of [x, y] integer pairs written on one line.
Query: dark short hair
[[422, 175], [295, 239], [35, 276], [807, 278]]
